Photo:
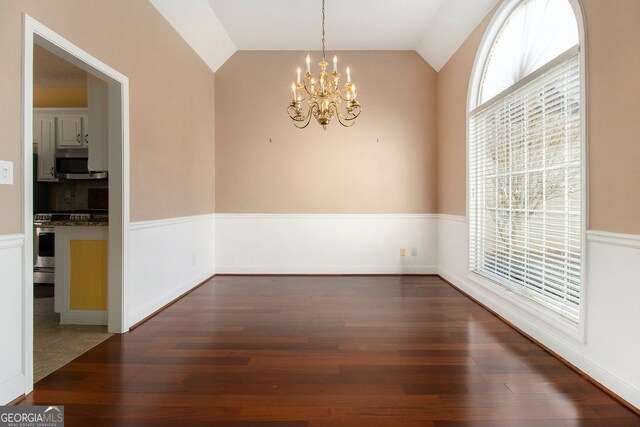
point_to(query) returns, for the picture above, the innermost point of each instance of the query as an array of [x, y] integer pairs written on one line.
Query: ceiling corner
[[424, 54], [458, 19], [196, 22]]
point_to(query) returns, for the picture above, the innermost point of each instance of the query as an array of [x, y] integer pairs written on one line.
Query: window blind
[[525, 187]]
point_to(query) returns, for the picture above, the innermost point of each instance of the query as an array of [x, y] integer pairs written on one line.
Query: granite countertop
[[78, 223]]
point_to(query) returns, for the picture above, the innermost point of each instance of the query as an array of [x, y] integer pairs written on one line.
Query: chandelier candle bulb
[[348, 74], [298, 75], [293, 91], [308, 64], [335, 64]]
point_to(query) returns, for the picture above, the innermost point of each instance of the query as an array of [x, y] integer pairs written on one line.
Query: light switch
[[6, 172]]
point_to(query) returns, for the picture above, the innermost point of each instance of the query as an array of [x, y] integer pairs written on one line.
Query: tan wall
[[171, 101], [334, 171], [452, 89], [63, 97], [613, 38], [614, 114]]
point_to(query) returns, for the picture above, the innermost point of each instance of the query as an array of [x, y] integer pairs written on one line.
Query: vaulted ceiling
[[215, 29]]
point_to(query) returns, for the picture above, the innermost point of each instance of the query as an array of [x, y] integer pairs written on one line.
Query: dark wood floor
[[320, 351]]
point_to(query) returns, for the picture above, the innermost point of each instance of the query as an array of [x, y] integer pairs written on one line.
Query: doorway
[[117, 108]]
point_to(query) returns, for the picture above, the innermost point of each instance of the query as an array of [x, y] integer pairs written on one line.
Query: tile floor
[[55, 345]]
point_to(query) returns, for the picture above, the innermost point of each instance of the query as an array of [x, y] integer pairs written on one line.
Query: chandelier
[[323, 96]]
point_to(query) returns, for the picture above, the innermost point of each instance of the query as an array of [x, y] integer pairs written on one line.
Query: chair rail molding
[[615, 239]]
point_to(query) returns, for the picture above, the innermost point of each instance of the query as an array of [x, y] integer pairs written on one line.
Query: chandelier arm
[[307, 87], [294, 113], [343, 98], [355, 113], [312, 107], [346, 123], [303, 125], [352, 114], [348, 119], [299, 119]]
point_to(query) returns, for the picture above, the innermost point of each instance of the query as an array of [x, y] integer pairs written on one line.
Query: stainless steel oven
[[44, 247]]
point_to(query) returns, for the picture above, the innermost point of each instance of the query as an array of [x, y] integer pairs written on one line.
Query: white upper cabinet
[[70, 131], [57, 128], [74, 128], [45, 138]]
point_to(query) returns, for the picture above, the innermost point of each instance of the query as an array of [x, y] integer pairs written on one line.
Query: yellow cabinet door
[[88, 275]]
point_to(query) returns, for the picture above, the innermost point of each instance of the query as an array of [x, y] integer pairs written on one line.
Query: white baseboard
[[11, 389], [84, 317], [326, 244], [611, 351], [142, 311], [325, 270], [167, 258]]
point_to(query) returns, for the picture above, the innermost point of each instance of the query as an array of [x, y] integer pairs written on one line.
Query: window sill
[[549, 317]]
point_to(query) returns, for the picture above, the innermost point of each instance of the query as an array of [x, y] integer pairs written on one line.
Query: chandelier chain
[[323, 56]]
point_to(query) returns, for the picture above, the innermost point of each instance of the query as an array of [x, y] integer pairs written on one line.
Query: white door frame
[[118, 89]]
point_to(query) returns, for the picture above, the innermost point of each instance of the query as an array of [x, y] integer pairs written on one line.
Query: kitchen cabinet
[[66, 128], [71, 128], [88, 275], [72, 131], [44, 134], [81, 274]]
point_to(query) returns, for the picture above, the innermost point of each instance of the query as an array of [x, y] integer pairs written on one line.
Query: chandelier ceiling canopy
[[323, 98]]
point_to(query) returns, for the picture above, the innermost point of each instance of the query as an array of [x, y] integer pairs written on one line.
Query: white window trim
[[553, 319]]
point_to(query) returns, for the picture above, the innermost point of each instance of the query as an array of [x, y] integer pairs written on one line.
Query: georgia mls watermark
[[32, 416]]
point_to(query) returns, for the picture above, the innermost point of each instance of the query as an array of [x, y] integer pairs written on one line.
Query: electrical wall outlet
[[6, 172], [403, 251], [414, 251]]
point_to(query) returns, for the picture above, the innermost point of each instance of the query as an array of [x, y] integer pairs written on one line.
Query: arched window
[[526, 154]]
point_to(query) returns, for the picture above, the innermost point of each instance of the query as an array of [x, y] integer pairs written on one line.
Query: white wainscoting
[[12, 375], [168, 257], [611, 351], [325, 244]]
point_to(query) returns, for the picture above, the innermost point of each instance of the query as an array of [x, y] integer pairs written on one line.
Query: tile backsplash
[[74, 195]]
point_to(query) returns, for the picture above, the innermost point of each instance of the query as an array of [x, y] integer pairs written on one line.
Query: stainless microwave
[[73, 163]]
